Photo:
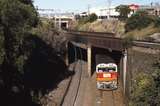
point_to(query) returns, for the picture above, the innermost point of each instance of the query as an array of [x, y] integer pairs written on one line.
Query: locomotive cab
[[106, 76]]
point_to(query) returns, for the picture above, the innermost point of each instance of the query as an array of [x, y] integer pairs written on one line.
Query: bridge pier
[[89, 59], [124, 70], [66, 55]]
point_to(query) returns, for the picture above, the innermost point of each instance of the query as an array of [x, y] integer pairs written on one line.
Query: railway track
[[71, 97], [113, 100], [108, 98], [146, 44], [80, 77], [102, 100]]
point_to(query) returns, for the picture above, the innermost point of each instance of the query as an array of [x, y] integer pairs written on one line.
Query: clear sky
[[82, 5]]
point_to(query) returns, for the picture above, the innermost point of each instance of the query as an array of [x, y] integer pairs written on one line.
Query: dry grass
[[116, 27], [143, 33], [104, 26]]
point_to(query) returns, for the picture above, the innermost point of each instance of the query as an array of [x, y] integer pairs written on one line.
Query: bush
[[157, 22], [139, 20], [146, 88], [91, 18], [128, 41]]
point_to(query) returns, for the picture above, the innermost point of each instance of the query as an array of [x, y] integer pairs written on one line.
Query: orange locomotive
[[107, 76]]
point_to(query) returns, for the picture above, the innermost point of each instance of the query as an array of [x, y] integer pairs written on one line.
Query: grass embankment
[[118, 28], [103, 26], [143, 33]]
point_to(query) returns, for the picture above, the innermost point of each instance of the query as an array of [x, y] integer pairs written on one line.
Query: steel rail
[[80, 77]]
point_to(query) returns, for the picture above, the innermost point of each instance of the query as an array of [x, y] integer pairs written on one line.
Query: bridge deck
[[103, 40]]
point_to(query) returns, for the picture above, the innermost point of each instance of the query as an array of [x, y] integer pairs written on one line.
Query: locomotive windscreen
[[107, 69]]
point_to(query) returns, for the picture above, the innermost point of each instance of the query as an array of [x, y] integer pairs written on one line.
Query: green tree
[[157, 22], [92, 17], [17, 17], [139, 20], [124, 11]]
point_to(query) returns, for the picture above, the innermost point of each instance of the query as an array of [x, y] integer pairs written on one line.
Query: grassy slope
[[118, 28], [143, 33], [103, 26]]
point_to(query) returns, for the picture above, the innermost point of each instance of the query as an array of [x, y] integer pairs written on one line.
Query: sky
[[82, 5]]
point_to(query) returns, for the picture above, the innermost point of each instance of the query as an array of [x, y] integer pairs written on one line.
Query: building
[[105, 13], [61, 19], [152, 10], [134, 7]]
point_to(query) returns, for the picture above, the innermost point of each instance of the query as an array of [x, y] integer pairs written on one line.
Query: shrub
[[128, 41], [91, 18], [157, 22], [139, 20], [146, 88]]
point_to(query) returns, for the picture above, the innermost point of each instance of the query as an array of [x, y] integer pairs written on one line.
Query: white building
[[105, 12], [61, 19]]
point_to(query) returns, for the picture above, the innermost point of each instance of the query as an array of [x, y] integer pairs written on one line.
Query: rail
[[74, 83]]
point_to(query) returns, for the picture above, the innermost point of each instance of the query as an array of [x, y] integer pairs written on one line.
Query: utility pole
[[59, 21], [55, 19], [108, 12], [89, 9]]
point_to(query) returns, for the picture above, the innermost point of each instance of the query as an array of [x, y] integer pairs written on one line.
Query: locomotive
[[107, 76]]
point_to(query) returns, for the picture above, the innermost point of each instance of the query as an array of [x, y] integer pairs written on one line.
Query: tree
[[124, 11], [139, 20], [157, 22], [17, 18], [30, 2], [92, 17]]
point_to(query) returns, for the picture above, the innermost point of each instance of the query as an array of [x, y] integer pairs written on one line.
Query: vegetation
[[27, 56], [139, 20], [113, 26], [124, 11], [89, 19], [16, 19], [141, 25], [145, 89], [128, 41], [47, 32], [157, 22], [143, 33]]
